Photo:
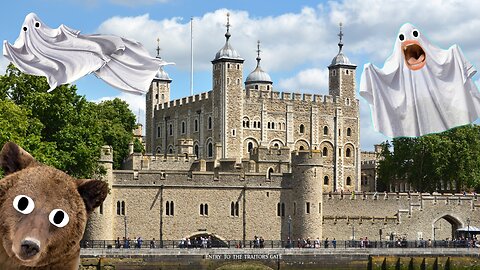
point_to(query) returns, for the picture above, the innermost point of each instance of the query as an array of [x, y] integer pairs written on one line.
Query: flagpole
[[191, 56]]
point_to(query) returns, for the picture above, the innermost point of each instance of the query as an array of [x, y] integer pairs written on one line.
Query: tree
[[62, 128], [435, 161]]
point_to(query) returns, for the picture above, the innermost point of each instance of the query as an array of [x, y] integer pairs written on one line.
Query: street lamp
[[289, 231], [468, 232], [353, 235]]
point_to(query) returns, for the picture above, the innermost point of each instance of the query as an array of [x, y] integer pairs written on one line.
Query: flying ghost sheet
[[63, 55], [421, 89]]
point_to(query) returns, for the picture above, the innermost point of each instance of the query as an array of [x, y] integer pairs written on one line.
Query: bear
[[43, 212]]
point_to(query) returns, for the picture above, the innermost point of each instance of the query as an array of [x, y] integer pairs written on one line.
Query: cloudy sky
[[298, 38]]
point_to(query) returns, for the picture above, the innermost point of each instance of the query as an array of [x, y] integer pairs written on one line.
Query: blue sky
[[298, 37]]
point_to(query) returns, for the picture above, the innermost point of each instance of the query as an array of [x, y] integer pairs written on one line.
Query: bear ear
[[13, 158], [93, 192]]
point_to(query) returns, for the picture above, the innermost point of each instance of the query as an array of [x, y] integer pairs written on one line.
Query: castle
[[245, 160]]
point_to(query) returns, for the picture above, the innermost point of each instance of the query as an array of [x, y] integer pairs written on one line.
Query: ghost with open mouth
[[421, 89]]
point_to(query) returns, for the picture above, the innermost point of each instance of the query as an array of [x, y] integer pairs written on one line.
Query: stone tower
[[342, 88], [98, 225], [228, 101], [258, 79], [158, 94], [307, 194]]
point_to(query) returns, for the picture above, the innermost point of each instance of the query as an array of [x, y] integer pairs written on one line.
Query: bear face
[[43, 210]]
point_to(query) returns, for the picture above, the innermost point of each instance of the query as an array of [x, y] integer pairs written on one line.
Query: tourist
[[117, 242], [152, 243], [334, 243], [326, 243]]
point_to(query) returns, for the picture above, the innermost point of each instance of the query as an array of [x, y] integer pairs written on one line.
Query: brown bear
[[43, 212]]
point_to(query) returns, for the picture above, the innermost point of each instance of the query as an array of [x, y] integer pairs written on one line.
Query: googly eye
[[37, 24], [401, 37], [23, 204], [415, 33], [59, 218], [25, 29]]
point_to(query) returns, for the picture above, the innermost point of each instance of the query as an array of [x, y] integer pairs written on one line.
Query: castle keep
[[244, 160]]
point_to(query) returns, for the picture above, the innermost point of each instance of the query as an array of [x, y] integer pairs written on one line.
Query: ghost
[[421, 89], [63, 55]]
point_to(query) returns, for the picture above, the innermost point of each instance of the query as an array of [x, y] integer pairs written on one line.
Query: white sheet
[[63, 55], [433, 98]]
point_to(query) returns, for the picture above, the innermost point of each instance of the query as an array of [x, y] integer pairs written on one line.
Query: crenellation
[[297, 96]]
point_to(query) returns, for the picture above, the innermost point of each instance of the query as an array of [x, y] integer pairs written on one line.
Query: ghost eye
[[415, 33], [23, 204], [59, 218], [37, 24], [401, 37], [25, 29]]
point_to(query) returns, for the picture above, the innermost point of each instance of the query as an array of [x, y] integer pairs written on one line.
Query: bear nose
[[29, 249]]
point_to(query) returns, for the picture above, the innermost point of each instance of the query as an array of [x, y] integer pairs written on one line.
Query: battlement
[[312, 158], [401, 196], [184, 101], [263, 153], [288, 96], [138, 161]]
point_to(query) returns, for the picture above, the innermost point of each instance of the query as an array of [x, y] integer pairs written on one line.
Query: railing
[[215, 243]]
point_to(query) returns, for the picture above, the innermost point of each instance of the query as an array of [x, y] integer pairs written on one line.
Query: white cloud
[[308, 80], [368, 135], [136, 104]]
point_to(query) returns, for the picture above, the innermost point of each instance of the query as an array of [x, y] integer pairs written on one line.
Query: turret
[[307, 194], [258, 79]]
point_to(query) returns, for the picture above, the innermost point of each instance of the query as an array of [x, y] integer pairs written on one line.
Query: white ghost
[[63, 55], [421, 89]]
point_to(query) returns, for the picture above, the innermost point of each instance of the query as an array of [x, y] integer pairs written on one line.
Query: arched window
[[348, 152], [268, 125], [325, 151], [232, 209], [325, 130], [210, 150], [209, 122], [349, 132], [302, 129], [275, 145], [169, 208], [195, 150], [246, 122], [201, 209], [204, 209], [269, 175], [325, 180], [278, 209], [183, 127], [237, 207], [250, 147], [268, 87], [273, 125], [301, 148], [349, 181], [123, 208], [256, 86], [118, 208], [170, 150], [283, 209]]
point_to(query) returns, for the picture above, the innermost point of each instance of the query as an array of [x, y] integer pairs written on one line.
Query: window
[[238, 81], [325, 151], [275, 145], [250, 147], [238, 66], [170, 129], [118, 208], [228, 80], [302, 129], [325, 180], [183, 127], [254, 124], [234, 206], [210, 150], [278, 209], [163, 96], [246, 122], [269, 175], [228, 65], [203, 209], [281, 209], [268, 87], [195, 125], [348, 152], [101, 209], [273, 125], [349, 181], [256, 86], [159, 131], [301, 148], [349, 132], [169, 207], [325, 130], [307, 208], [195, 150], [233, 132], [170, 149], [268, 125], [334, 72], [294, 208], [123, 208], [209, 122], [346, 71]]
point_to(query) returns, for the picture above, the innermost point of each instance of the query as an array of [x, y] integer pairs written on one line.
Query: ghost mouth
[[415, 56]]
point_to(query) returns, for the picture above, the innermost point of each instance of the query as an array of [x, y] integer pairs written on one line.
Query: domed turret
[[258, 79], [227, 51], [340, 58]]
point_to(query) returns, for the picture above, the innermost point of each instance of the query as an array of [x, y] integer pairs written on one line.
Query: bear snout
[[29, 248]]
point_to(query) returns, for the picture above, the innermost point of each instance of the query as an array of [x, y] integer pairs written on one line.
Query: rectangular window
[[159, 131], [294, 208], [319, 208], [308, 208]]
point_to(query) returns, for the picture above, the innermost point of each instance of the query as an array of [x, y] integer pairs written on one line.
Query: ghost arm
[[366, 84]]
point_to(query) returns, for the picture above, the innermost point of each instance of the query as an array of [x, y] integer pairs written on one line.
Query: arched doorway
[[203, 240], [445, 227]]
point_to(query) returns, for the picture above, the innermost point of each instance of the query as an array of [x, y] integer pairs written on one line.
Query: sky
[[298, 38]]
